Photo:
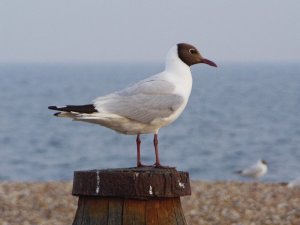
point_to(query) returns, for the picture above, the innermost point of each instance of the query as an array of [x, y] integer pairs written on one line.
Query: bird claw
[[139, 165], [155, 165], [159, 166]]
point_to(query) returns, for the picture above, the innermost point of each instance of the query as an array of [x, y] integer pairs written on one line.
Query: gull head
[[190, 55], [264, 162]]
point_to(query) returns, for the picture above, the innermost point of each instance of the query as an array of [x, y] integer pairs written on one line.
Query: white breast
[[178, 73]]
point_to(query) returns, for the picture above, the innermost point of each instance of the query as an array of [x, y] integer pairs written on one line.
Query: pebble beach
[[226, 202]]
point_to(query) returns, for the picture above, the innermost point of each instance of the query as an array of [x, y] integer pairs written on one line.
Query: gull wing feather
[[144, 101], [152, 85], [255, 169]]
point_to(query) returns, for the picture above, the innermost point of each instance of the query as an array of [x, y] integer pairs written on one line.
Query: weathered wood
[[118, 211], [115, 211], [92, 211], [134, 196], [134, 212], [132, 183]]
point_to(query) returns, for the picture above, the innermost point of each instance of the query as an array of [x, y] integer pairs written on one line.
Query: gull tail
[[64, 114], [238, 172]]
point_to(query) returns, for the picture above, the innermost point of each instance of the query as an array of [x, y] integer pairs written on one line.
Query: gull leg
[[157, 162], [138, 148], [155, 142]]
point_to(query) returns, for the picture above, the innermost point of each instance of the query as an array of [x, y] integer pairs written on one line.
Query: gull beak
[[208, 62]]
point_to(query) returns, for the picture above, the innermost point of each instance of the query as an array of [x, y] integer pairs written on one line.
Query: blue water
[[237, 114]]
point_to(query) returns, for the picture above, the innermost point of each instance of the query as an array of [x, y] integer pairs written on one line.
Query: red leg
[[155, 142], [138, 147], [157, 162]]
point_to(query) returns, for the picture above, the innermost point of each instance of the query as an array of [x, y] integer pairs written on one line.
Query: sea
[[237, 114]]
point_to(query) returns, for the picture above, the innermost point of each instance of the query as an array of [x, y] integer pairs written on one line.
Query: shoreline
[[212, 202]]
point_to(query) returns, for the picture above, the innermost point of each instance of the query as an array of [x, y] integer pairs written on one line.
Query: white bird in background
[[145, 106], [256, 171], [294, 183]]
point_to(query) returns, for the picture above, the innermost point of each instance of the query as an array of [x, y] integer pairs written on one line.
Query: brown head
[[264, 162], [190, 55]]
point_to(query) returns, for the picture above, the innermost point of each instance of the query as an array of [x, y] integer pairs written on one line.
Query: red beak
[[208, 62]]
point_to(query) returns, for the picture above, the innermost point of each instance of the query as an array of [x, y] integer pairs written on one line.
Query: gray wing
[[143, 102], [252, 171], [153, 85]]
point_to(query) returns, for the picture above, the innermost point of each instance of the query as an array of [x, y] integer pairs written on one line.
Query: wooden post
[[131, 196]]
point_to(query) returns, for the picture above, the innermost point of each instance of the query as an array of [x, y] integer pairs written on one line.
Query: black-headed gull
[[147, 105], [257, 170], [294, 183]]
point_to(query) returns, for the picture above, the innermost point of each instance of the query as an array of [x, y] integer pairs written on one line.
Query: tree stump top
[[139, 183]]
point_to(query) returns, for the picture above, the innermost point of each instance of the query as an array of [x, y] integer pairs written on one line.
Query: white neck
[[179, 73], [174, 63]]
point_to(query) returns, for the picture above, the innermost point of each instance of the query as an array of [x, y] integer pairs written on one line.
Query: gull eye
[[193, 51]]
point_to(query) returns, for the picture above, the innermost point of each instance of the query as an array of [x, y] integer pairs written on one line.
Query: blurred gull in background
[[255, 171]]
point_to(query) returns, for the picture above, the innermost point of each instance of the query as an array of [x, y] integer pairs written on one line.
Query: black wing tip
[[238, 172], [56, 114], [90, 108]]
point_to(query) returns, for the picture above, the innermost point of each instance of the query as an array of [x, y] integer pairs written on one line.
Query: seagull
[[257, 170], [294, 183], [146, 106]]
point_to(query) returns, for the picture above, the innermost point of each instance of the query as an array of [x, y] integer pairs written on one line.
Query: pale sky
[[140, 30]]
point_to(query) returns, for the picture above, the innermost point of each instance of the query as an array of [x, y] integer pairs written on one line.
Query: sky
[[140, 30]]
